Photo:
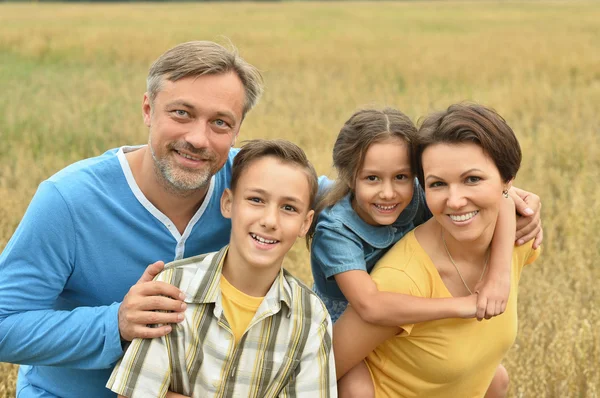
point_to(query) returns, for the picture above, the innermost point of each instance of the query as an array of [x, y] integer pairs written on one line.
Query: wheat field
[[72, 78]]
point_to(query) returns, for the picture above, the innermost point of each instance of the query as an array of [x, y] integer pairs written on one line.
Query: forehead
[[276, 177], [442, 158], [217, 92], [392, 153]]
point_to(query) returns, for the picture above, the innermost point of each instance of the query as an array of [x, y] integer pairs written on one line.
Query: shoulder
[[188, 273], [304, 299], [525, 254], [405, 268]]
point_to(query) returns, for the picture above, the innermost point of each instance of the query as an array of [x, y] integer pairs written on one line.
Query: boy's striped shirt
[[285, 352]]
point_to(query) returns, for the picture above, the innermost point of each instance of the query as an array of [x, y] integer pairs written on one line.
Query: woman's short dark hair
[[467, 122]]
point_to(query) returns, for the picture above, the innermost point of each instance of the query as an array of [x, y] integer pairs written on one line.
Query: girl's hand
[[529, 223], [492, 296]]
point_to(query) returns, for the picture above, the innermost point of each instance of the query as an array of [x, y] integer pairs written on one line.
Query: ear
[[306, 223], [226, 202], [508, 184], [146, 110]]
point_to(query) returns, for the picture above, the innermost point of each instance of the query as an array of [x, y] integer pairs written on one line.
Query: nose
[[456, 198], [387, 191], [270, 217], [198, 134]]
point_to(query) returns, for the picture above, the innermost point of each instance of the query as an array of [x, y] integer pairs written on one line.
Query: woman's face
[[463, 189]]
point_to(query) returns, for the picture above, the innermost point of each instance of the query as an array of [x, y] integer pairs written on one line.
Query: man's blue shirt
[[85, 239]]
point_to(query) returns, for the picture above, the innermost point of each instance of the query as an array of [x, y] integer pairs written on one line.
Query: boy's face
[[269, 209]]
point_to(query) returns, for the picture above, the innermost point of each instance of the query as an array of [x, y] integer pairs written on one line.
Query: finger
[[521, 206], [527, 226], [143, 318], [481, 307], [145, 332], [160, 303], [156, 288], [503, 307], [489, 311], [538, 239], [151, 271], [529, 236], [498, 310]]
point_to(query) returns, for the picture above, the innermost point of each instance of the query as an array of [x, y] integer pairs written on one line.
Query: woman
[[467, 159]]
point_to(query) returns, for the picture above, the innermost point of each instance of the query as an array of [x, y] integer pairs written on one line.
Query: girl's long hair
[[364, 128]]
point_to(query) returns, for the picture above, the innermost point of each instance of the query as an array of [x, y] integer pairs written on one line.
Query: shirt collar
[[205, 285], [376, 235]]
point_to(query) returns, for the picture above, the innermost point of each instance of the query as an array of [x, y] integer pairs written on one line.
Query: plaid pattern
[[285, 352]]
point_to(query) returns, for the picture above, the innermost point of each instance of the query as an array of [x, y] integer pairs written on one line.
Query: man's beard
[[177, 178]]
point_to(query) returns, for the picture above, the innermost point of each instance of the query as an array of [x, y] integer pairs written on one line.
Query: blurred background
[[72, 78]]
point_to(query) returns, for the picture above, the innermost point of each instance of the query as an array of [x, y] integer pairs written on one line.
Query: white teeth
[[263, 240], [185, 155], [464, 217], [386, 207]]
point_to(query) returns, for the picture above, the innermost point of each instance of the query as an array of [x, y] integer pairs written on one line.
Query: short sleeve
[[143, 371], [335, 251], [393, 280]]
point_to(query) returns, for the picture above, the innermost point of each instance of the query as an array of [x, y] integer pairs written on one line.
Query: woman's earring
[[505, 193]]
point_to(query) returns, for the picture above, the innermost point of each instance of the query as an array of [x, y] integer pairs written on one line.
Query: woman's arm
[[354, 339], [394, 309]]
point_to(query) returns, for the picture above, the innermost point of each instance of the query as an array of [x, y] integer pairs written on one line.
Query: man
[[90, 228]]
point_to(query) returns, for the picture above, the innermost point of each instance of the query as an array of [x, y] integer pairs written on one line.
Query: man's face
[[193, 122]]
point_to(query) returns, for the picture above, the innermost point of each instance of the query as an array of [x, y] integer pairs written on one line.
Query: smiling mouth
[[187, 156], [385, 208], [263, 241], [463, 217]]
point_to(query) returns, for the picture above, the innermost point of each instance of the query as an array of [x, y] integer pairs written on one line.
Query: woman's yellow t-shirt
[[444, 358], [239, 308]]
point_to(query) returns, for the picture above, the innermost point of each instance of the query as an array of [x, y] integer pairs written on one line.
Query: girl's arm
[[494, 288], [354, 339], [393, 309]]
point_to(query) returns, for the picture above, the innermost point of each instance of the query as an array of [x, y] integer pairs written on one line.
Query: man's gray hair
[[197, 58]]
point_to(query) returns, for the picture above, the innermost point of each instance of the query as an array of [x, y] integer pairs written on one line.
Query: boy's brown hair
[[285, 151]]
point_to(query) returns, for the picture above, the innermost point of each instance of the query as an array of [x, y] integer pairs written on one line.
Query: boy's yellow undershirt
[[239, 308]]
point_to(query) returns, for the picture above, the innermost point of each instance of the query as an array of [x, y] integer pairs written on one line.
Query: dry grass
[[72, 77]]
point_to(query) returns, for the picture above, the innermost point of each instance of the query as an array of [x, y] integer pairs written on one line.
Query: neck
[[253, 281], [179, 207], [473, 251]]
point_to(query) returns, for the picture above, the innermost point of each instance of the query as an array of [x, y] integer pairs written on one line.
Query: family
[[415, 249]]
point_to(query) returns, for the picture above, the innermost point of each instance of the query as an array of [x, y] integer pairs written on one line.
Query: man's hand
[[529, 224], [492, 296], [144, 306]]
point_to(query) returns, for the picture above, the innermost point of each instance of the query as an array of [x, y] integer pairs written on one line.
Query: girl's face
[[463, 188], [384, 184]]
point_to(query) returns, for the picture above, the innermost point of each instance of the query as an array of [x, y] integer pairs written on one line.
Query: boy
[[250, 328]]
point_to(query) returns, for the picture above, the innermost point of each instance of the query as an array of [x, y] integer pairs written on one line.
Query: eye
[[436, 184], [220, 123], [255, 199], [472, 180], [180, 113], [290, 208], [371, 178], [401, 177]]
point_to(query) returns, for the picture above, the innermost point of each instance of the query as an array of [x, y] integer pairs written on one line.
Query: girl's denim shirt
[[344, 242]]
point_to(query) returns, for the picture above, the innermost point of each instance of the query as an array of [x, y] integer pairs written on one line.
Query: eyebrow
[[285, 198], [185, 104], [462, 175], [402, 170]]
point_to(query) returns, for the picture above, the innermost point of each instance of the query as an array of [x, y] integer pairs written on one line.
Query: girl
[[374, 202], [467, 158]]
